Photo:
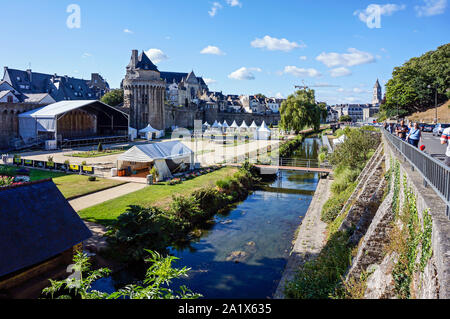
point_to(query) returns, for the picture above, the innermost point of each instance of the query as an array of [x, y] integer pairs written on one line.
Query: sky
[[338, 48]]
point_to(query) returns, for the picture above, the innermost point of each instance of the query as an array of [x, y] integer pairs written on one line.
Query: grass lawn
[[71, 185], [90, 154], [153, 195], [76, 185]]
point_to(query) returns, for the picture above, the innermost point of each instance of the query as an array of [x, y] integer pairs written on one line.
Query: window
[[10, 99]]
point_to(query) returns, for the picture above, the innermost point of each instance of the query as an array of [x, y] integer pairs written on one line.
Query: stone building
[[144, 93], [376, 99]]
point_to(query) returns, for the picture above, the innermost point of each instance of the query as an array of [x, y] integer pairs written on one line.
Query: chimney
[[134, 57], [30, 77]]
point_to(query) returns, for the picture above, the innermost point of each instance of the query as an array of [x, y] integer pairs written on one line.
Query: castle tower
[[144, 93], [376, 99]]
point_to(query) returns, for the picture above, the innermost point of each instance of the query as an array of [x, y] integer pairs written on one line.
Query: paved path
[[310, 239], [102, 196], [433, 146]]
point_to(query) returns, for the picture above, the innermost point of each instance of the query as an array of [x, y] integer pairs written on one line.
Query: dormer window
[[18, 79]]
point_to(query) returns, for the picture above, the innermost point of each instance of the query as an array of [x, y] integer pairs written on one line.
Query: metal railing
[[434, 172]]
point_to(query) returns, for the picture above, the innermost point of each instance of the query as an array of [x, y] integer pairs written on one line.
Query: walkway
[[103, 196], [310, 239]]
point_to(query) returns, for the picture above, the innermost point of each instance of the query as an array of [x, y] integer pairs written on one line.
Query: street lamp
[[435, 99]]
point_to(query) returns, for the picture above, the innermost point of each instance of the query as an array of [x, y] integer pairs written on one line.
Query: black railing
[[434, 172]]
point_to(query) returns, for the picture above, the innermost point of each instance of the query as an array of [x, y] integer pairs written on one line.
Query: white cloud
[[156, 55], [128, 31], [209, 81], [337, 72], [216, 6], [431, 8], [303, 58], [273, 44], [234, 3], [210, 49], [279, 96], [244, 73], [86, 55], [301, 72], [353, 57], [387, 10]]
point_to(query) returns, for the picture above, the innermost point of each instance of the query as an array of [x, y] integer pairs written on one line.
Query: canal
[[244, 252]]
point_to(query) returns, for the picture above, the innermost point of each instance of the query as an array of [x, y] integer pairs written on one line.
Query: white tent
[[225, 124], [206, 124], [45, 119], [244, 125], [148, 131], [158, 154], [234, 125], [215, 125], [132, 132], [253, 125], [263, 132]]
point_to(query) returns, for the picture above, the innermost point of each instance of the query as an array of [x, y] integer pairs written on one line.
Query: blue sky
[[249, 46]]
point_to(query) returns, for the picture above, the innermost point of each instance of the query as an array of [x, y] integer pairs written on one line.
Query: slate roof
[[59, 87], [178, 77], [36, 223], [144, 63]]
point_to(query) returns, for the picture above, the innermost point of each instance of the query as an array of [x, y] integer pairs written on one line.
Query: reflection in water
[[242, 254]]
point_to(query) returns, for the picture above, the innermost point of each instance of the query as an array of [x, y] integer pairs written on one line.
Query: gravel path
[[310, 238]]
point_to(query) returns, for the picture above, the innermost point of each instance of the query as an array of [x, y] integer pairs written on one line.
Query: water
[[259, 231]]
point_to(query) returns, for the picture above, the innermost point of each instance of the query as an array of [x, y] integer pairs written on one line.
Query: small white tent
[[132, 132], [225, 124], [234, 126], [263, 132], [243, 126], [148, 132], [253, 126]]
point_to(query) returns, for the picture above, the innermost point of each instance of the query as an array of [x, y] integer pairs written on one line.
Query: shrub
[[210, 200], [334, 204], [100, 147], [344, 180], [92, 178], [186, 208], [138, 229]]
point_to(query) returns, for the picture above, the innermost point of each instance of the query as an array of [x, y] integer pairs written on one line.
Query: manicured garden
[[158, 195]]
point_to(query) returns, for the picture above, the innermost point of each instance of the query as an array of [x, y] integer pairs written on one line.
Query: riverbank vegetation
[[321, 277], [156, 284], [157, 195], [140, 228]]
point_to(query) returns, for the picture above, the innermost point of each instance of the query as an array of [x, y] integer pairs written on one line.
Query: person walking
[[445, 139], [401, 130], [414, 135]]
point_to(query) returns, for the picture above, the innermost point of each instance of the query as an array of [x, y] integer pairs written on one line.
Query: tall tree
[[300, 110], [413, 85], [113, 97]]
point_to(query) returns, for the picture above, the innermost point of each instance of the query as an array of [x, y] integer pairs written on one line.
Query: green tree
[[156, 283], [345, 118], [113, 97], [413, 85], [300, 110]]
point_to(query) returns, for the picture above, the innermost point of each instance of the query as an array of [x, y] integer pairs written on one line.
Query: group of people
[[409, 133], [412, 134]]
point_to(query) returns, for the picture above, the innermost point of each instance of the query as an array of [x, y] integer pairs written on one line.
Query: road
[[433, 146]]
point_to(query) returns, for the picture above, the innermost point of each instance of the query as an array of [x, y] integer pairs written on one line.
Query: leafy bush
[[139, 229], [92, 178], [334, 204], [344, 180], [186, 208], [100, 147]]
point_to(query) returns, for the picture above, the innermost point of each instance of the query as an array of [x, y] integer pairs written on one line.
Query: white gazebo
[[225, 125]]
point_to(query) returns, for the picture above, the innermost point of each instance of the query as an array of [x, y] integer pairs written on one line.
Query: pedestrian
[[414, 135], [401, 130], [445, 139], [391, 128]]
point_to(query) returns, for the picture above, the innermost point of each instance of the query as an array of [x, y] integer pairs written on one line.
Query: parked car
[[428, 128], [439, 128]]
